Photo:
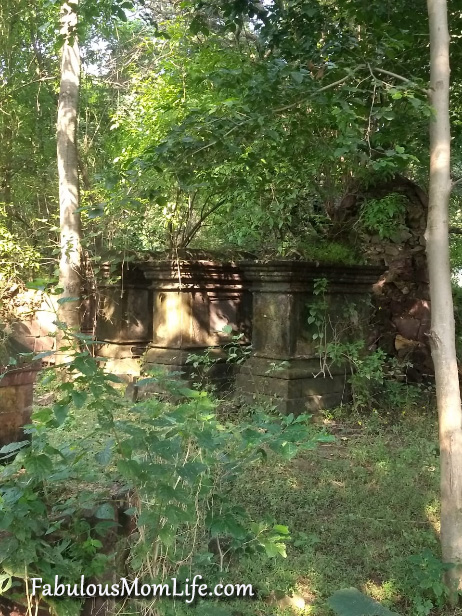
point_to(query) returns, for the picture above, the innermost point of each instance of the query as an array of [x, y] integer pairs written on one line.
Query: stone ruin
[[16, 390], [159, 313], [402, 294]]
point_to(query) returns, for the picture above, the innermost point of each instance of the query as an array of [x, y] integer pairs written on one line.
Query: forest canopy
[[233, 125]]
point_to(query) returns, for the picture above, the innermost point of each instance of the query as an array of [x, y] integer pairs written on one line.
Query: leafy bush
[[384, 216], [171, 464], [427, 589]]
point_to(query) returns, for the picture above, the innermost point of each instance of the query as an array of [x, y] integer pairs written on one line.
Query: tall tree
[[70, 224], [442, 334]]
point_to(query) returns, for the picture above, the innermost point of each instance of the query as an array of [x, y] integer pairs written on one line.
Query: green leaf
[[273, 549], [66, 300], [226, 525], [191, 471], [167, 535], [42, 415], [78, 398], [104, 457], [352, 602], [147, 381], [297, 77], [288, 451], [102, 528], [105, 512], [282, 530], [86, 365], [130, 468], [5, 582], [10, 449], [113, 378], [189, 393], [120, 13], [177, 515], [43, 354], [40, 465], [61, 412], [39, 284], [95, 212]]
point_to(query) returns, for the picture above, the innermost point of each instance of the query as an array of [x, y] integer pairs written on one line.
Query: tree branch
[[199, 223], [323, 89], [382, 71]]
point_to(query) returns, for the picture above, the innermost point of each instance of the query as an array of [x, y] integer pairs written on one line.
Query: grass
[[357, 510]]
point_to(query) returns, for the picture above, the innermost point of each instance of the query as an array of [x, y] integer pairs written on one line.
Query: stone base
[[120, 351], [123, 360], [210, 366], [16, 396], [295, 386], [128, 369]]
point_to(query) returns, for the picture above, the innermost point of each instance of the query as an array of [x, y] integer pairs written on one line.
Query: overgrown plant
[[233, 353], [169, 466], [375, 378], [385, 216], [427, 588]]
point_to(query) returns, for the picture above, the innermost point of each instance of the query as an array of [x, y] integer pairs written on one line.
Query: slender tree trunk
[[442, 336], [7, 25], [69, 265]]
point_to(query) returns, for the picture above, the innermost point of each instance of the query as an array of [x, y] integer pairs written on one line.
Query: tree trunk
[[442, 335], [69, 265]]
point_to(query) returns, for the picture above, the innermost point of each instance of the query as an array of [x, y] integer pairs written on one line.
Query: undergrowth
[[225, 496]]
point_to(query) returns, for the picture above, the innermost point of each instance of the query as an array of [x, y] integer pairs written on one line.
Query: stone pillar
[[16, 392], [193, 300], [124, 321], [287, 365]]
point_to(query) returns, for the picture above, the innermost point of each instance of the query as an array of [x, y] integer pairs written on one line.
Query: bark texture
[[69, 266], [442, 335]]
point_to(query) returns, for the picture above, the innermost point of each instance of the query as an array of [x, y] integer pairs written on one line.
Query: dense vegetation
[[213, 127], [238, 126]]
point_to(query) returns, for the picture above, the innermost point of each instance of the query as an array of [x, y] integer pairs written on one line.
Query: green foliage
[[19, 260], [191, 136], [352, 602], [427, 589], [221, 144], [234, 352], [384, 216], [457, 298], [376, 379], [177, 461]]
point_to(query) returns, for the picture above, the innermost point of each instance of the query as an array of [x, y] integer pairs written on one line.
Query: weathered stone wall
[[173, 309], [288, 365], [166, 310], [157, 313], [402, 294], [193, 303], [123, 320], [16, 391], [32, 315]]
